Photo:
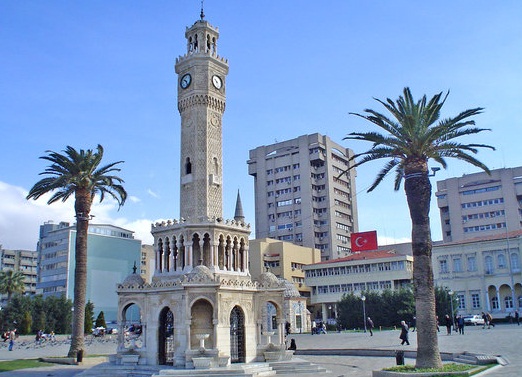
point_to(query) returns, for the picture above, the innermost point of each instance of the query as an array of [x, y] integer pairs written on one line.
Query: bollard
[[399, 357], [79, 356]]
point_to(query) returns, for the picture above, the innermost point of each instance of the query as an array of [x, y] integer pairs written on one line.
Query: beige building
[[283, 259], [24, 261], [301, 195], [147, 263], [360, 272], [484, 273], [479, 205]]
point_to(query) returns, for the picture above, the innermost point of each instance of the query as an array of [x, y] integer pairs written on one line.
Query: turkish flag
[[364, 241]]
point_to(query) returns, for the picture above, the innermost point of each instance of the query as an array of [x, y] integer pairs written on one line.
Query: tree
[[11, 282], [89, 317], [79, 173], [413, 135], [100, 320]]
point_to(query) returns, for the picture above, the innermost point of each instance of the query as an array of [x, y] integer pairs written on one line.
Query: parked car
[[473, 320]]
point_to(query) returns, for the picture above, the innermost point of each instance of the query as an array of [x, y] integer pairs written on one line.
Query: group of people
[[318, 328], [10, 335]]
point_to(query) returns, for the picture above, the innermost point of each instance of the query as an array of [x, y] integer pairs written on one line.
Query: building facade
[[284, 259], [304, 194], [478, 205], [24, 261], [484, 273], [111, 254], [360, 272]]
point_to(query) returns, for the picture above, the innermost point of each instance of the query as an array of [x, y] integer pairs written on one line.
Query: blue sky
[[87, 72]]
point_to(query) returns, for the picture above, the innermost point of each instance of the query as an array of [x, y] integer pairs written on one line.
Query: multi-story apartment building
[[24, 261], [304, 194], [147, 263], [360, 272], [484, 273], [112, 252], [478, 205], [284, 259]]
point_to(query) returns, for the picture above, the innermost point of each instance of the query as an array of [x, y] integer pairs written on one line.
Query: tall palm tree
[[413, 135], [78, 172], [11, 282]]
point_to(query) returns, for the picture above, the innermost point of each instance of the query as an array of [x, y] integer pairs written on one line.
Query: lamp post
[[451, 306], [363, 298]]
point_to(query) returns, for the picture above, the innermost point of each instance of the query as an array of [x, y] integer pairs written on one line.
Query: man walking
[[369, 324], [517, 317]]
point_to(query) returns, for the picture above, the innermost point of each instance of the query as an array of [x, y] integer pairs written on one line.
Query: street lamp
[[363, 298], [451, 306]]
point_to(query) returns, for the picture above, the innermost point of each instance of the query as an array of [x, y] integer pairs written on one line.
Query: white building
[[484, 273], [360, 272]]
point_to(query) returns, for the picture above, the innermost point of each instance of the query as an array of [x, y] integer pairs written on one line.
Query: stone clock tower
[[201, 103]]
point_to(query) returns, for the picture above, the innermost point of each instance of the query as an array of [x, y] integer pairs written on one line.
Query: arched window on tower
[[188, 166]]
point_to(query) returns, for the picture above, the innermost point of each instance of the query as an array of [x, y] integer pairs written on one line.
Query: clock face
[[185, 81], [216, 80]]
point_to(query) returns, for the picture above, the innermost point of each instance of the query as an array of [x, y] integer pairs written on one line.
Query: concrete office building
[[111, 254], [24, 261], [479, 205], [484, 273], [301, 196]]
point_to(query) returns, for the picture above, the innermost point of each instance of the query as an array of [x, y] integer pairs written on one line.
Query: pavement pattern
[[503, 340]]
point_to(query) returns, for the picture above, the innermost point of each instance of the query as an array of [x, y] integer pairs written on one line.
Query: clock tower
[[201, 103]]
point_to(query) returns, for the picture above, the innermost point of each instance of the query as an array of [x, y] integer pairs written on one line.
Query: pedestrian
[[293, 346], [369, 324], [517, 317], [404, 333], [485, 318], [12, 337], [490, 320], [314, 327], [413, 324], [322, 328], [460, 324], [447, 322], [287, 328], [437, 323]]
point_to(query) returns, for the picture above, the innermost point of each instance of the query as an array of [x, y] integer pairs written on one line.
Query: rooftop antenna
[[202, 15]]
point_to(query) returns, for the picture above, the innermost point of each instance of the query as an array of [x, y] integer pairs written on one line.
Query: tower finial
[[202, 15]]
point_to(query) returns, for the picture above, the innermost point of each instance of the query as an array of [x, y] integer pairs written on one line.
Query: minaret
[[238, 215], [201, 103]]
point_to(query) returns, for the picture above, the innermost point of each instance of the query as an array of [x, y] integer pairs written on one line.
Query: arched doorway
[[237, 335], [166, 337]]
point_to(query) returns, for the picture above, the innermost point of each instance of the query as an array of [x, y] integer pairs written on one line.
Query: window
[[461, 301], [494, 303], [508, 302], [514, 261], [443, 265], [501, 261], [457, 265], [475, 300], [489, 266], [472, 263]]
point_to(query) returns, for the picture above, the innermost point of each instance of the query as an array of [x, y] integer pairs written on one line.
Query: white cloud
[[20, 219], [134, 199], [152, 193]]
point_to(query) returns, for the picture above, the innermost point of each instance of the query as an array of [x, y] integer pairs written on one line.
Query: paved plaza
[[503, 340]]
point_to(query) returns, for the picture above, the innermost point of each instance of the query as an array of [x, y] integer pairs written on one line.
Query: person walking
[[447, 322], [12, 337], [460, 324], [490, 320], [314, 327], [369, 325], [404, 333], [517, 317], [413, 324], [485, 318]]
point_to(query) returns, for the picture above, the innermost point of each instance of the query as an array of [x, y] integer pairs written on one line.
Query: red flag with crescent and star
[[364, 241]]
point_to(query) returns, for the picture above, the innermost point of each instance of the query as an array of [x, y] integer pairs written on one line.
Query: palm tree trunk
[[82, 207], [418, 193]]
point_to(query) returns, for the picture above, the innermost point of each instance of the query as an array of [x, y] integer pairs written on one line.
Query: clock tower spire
[[201, 104]]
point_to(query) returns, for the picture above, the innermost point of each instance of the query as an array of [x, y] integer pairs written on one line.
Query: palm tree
[[11, 282], [78, 173], [413, 135]]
